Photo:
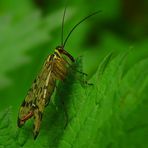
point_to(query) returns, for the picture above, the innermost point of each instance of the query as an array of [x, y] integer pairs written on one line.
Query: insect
[[55, 68]]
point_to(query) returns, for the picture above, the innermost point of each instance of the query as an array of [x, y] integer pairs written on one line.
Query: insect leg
[[84, 74], [74, 68]]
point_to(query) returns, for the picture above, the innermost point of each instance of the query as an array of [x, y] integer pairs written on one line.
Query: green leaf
[[109, 113], [16, 42], [134, 104], [7, 132]]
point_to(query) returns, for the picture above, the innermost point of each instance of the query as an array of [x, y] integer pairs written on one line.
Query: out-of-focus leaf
[[22, 36], [17, 38]]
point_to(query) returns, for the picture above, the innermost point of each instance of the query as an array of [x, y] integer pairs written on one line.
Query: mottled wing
[[26, 109], [46, 88], [38, 94]]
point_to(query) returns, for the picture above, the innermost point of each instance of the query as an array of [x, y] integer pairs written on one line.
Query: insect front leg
[[84, 74], [74, 69]]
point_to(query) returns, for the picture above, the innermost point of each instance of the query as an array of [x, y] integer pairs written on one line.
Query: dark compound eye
[[59, 47]]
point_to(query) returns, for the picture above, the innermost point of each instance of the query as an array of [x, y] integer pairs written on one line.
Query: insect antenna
[[94, 13], [62, 31]]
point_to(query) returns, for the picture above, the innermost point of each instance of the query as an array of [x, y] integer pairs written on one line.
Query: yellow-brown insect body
[[54, 68]]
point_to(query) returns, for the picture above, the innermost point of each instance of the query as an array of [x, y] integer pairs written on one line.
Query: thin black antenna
[[79, 24], [62, 31]]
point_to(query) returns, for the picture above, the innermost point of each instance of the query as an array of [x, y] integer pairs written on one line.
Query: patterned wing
[[38, 96], [47, 86], [26, 109]]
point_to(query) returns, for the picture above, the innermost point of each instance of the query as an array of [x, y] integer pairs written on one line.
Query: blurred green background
[[31, 29]]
